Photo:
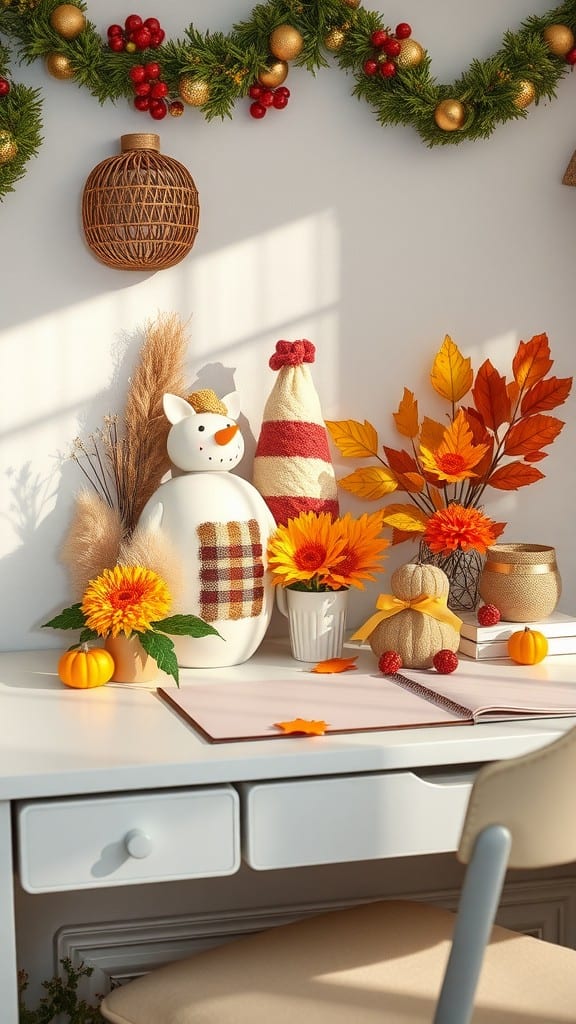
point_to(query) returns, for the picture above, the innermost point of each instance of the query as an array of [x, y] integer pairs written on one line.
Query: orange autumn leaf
[[491, 397], [431, 433], [372, 482], [532, 361], [399, 460], [513, 392], [400, 536], [436, 497], [406, 418], [303, 725], [535, 456], [514, 475], [451, 374], [532, 433], [354, 439], [334, 665], [407, 518], [546, 395], [412, 483]]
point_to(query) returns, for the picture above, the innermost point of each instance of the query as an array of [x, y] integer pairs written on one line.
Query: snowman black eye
[[201, 428]]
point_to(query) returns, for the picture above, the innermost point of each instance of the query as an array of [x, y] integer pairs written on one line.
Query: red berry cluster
[[4, 87], [150, 92], [488, 615], [389, 663], [135, 34], [264, 98], [387, 46], [445, 661]]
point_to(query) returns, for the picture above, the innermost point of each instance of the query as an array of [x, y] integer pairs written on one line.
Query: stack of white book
[[492, 641]]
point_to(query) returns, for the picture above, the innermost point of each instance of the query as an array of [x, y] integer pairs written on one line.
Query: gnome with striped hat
[[292, 465]]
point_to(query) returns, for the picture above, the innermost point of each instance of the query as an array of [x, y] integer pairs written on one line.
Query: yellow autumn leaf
[[353, 439], [452, 375], [431, 433], [335, 665], [371, 483], [407, 518], [406, 419], [303, 725]]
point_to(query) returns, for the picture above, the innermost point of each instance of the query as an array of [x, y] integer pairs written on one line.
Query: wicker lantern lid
[[140, 210]]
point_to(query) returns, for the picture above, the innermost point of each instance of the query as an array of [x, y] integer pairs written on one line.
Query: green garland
[[488, 90]]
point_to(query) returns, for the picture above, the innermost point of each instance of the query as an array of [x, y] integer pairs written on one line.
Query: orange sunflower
[[458, 527], [363, 551], [456, 456], [124, 599], [304, 550]]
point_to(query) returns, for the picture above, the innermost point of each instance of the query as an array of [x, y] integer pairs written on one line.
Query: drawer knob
[[138, 843]]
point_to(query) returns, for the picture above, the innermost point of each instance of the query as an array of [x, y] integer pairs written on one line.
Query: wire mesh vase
[[463, 569], [140, 210]]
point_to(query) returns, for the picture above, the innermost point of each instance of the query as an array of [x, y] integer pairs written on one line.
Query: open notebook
[[228, 710]]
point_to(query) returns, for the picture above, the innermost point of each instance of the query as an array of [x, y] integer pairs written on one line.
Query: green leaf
[[70, 618], [186, 625], [161, 649], [87, 635]]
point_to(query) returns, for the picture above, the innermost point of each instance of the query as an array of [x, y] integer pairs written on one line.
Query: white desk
[[83, 760]]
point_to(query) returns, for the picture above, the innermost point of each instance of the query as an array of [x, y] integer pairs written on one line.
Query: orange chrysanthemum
[[363, 551], [456, 457], [124, 599], [304, 549], [458, 527]]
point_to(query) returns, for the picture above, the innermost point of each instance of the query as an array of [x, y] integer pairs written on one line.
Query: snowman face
[[202, 442]]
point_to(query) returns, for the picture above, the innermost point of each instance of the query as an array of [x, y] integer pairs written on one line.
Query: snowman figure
[[220, 525]]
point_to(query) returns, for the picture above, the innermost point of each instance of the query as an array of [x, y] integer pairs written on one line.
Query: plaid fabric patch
[[231, 570]]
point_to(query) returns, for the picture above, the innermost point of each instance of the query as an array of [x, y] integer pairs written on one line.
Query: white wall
[[315, 223]]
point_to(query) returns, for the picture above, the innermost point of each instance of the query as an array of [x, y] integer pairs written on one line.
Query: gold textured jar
[[522, 580]]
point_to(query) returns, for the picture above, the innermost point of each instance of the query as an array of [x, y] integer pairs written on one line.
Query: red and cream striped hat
[[292, 466]]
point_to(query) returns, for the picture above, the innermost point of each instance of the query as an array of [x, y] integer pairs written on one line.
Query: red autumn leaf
[[436, 497], [480, 435], [532, 361], [400, 461], [513, 392], [334, 665], [412, 483], [514, 475], [303, 725], [491, 397], [535, 456], [545, 395], [399, 536], [532, 433]]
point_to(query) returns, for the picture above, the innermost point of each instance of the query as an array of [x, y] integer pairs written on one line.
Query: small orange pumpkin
[[86, 667], [527, 646]]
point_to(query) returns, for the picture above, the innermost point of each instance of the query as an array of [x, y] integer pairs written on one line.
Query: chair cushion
[[380, 963]]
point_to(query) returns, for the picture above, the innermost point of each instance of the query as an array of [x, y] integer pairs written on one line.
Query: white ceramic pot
[[316, 621]]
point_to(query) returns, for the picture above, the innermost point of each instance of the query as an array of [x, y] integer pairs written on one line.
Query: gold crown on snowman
[[207, 400]]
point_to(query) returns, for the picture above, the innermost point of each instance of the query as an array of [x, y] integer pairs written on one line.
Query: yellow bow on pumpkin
[[389, 605]]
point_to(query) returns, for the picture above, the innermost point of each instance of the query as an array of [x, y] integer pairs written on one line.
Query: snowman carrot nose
[[226, 434]]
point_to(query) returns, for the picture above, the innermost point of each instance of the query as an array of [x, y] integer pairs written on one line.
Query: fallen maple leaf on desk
[[333, 665], [303, 725]]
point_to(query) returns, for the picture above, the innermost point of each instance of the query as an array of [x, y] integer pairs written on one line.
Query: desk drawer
[[350, 818], [147, 837]]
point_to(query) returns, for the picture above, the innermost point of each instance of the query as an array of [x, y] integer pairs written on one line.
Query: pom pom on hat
[[292, 465]]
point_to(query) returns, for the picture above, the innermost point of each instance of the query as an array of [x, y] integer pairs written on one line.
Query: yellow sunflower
[[456, 456], [458, 527], [305, 549], [124, 599], [363, 551]]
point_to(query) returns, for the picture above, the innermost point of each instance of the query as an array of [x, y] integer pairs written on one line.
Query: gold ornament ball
[[411, 54], [335, 39], [59, 66], [559, 38], [193, 91], [450, 115], [68, 21], [274, 74], [525, 96], [8, 147], [285, 42]]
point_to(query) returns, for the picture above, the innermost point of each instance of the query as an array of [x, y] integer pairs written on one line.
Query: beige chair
[[386, 962]]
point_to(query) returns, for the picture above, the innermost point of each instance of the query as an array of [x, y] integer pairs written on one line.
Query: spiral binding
[[430, 695]]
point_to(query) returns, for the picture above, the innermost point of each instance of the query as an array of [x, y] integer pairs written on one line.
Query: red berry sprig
[[387, 46], [264, 98], [445, 661], [135, 34], [150, 92], [488, 615], [389, 663], [4, 87]]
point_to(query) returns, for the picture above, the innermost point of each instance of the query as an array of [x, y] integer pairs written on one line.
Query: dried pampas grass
[[92, 542], [151, 547]]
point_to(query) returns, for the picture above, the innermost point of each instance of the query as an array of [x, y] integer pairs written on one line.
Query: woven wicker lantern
[[140, 209]]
